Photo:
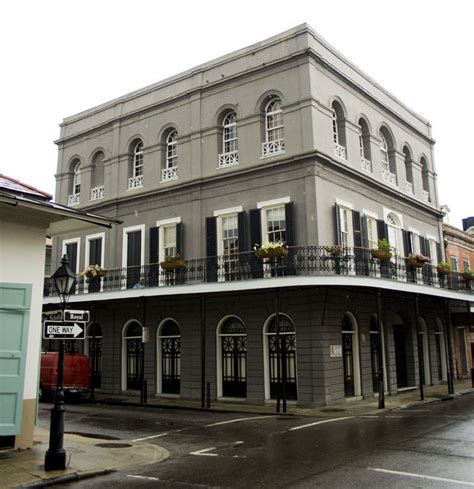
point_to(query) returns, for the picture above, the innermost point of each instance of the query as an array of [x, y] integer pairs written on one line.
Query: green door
[[14, 319]]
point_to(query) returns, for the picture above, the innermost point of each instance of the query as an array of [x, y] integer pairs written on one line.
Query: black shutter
[[241, 233], [255, 239], [337, 211], [365, 232], [358, 252], [424, 248], [95, 252], [289, 221], [211, 248], [71, 253], [133, 259], [179, 239], [439, 252], [153, 271], [382, 231], [407, 247]]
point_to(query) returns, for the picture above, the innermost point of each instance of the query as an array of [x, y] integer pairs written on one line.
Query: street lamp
[[64, 281]]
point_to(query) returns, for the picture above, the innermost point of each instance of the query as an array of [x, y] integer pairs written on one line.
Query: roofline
[[30, 187]]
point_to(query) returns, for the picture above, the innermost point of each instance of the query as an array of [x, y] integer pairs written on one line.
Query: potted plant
[[335, 251], [468, 275], [93, 271], [172, 262], [417, 260], [271, 250], [383, 252], [443, 268]]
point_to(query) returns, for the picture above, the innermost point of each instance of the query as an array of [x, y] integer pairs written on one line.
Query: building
[[285, 141], [459, 246], [27, 216]]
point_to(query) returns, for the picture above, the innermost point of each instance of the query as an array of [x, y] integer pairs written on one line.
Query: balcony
[[306, 261], [409, 188], [97, 193], [273, 148], [74, 199], [228, 159], [339, 151], [366, 165], [168, 174], [135, 182], [389, 177]]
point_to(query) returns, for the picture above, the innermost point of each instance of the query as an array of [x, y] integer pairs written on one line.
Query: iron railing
[[303, 261]]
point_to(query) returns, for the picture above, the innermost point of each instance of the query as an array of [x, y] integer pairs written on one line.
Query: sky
[[59, 57]]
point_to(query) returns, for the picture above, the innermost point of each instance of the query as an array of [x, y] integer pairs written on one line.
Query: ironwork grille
[[171, 365], [95, 361], [348, 360], [134, 363], [234, 366]]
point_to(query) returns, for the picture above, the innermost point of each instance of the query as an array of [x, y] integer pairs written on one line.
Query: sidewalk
[[89, 457]]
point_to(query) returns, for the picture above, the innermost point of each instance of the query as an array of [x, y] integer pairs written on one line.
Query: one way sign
[[59, 330]]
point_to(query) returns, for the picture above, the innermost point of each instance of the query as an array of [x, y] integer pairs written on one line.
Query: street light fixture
[[64, 280]]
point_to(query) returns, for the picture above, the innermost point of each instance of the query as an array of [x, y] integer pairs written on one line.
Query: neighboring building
[[459, 246], [282, 141], [26, 217]]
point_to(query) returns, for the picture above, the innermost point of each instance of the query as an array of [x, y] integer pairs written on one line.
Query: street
[[430, 446]]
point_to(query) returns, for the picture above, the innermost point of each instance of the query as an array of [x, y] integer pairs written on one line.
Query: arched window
[[136, 178], [170, 171], [229, 155], [387, 157], [338, 130], [232, 358], [132, 355], [425, 179], [408, 170], [350, 356], [75, 196], [395, 233], [169, 357], [364, 145], [280, 358], [97, 177], [274, 129], [93, 349]]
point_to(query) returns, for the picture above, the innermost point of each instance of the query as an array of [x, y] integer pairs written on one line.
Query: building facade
[[252, 190]]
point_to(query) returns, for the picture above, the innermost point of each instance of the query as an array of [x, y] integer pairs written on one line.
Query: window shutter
[[154, 257], [133, 248], [337, 211], [211, 248], [439, 252], [242, 233], [407, 248], [424, 248], [179, 239], [71, 252], [382, 231], [357, 229], [255, 238], [290, 228], [365, 232]]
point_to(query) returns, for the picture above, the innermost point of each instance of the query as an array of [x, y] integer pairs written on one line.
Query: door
[[234, 359], [400, 357], [134, 240], [287, 366], [171, 364], [348, 362], [95, 258]]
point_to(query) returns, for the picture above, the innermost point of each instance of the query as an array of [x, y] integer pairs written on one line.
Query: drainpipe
[[381, 352], [449, 329], [421, 365]]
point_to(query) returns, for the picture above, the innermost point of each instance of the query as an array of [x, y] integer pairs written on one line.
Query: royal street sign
[[75, 315], [60, 330]]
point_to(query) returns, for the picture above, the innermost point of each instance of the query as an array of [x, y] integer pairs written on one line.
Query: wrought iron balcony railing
[[303, 261]]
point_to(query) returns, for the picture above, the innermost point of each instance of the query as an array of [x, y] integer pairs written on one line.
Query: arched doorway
[[132, 355], [425, 348], [169, 357], [404, 354], [93, 349], [231, 358], [350, 356], [441, 351], [280, 358]]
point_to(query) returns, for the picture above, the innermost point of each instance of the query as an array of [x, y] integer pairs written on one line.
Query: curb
[[62, 479]]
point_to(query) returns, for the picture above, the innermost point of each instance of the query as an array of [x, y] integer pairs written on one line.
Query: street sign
[[76, 315], [60, 330], [52, 315]]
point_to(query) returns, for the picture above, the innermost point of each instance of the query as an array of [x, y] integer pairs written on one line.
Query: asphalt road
[[428, 447]]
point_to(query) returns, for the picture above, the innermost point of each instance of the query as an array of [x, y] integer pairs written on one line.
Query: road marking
[[159, 435], [369, 416], [238, 420], [421, 476], [143, 477], [319, 422], [203, 452]]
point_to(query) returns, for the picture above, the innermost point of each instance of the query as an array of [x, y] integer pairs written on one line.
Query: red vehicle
[[76, 377]]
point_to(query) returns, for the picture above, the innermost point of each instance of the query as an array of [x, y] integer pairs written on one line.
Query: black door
[[134, 241], [171, 365], [287, 366], [234, 366], [400, 356], [95, 258], [134, 363], [348, 361]]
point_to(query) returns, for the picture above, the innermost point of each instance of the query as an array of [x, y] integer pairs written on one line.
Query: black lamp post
[[64, 281]]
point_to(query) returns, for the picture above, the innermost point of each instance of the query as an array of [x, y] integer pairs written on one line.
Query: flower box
[[417, 260], [271, 250], [443, 270], [172, 263], [93, 271], [468, 275], [382, 255]]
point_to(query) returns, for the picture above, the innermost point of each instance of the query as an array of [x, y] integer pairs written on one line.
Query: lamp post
[[64, 281]]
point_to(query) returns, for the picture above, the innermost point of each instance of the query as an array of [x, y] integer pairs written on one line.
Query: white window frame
[[78, 261], [415, 240], [219, 214], [372, 219], [230, 128], [464, 261], [76, 180], [164, 223], [137, 168], [398, 230], [171, 146], [88, 239], [432, 243], [139, 227], [454, 261], [273, 113], [346, 207]]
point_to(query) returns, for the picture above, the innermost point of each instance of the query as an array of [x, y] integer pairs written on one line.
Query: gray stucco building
[[283, 142]]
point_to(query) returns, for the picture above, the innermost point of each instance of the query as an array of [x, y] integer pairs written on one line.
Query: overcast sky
[[60, 57]]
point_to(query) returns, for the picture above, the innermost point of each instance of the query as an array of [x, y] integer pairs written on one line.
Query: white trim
[[171, 220], [430, 237], [342, 203], [88, 239], [386, 212], [274, 202], [371, 214], [355, 353], [69, 241], [414, 231], [230, 210], [271, 283], [139, 227]]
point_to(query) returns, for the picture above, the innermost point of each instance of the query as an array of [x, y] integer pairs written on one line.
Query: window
[[344, 225], [384, 152], [425, 179], [229, 155], [169, 241], [170, 172], [93, 349], [75, 196], [466, 265], [372, 238], [97, 176], [432, 250], [136, 178], [338, 131], [387, 157], [454, 263], [71, 248], [275, 224], [133, 255], [408, 170], [94, 255], [274, 137], [350, 356], [364, 145], [394, 233]]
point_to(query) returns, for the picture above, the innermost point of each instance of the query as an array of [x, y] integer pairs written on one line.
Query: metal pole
[[421, 366], [449, 348], [381, 353], [143, 399], [203, 351], [55, 457]]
